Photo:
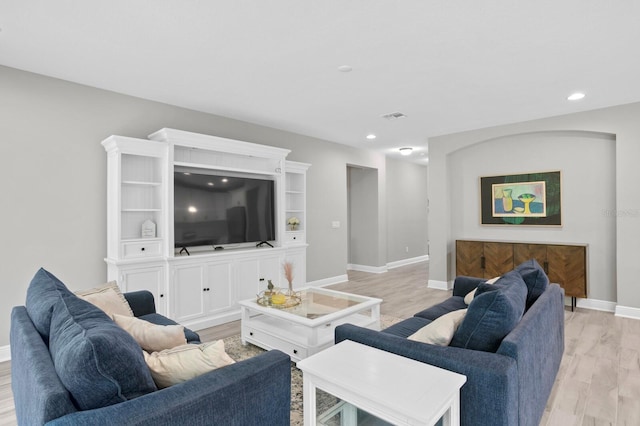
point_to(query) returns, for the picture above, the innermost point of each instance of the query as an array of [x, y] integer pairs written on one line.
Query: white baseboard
[[328, 281], [5, 353], [196, 325], [404, 262], [366, 268], [596, 305], [627, 312], [439, 285]]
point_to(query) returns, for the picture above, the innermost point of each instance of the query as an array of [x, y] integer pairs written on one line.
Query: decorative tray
[[278, 300]]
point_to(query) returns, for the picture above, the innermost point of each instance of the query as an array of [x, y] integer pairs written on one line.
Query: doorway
[[362, 205]]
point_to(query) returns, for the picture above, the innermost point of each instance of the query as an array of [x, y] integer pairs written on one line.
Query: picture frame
[[522, 199]]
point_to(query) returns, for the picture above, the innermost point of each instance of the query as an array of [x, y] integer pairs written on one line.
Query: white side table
[[396, 389]]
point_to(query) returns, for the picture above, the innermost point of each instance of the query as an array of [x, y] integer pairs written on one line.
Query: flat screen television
[[217, 210]]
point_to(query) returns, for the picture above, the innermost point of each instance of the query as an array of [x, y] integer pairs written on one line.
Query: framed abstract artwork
[[524, 199]]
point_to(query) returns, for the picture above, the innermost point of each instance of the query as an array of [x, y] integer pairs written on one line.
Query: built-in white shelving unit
[[296, 201], [202, 289]]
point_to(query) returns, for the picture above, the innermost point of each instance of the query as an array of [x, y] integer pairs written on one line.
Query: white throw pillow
[[152, 337], [183, 363], [469, 297], [441, 330], [107, 297]]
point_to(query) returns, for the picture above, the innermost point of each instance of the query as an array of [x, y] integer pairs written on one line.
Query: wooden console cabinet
[[564, 264]]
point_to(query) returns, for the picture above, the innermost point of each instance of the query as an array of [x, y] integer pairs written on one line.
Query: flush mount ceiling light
[[576, 96], [406, 151], [345, 68], [394, 116], [371, 136]]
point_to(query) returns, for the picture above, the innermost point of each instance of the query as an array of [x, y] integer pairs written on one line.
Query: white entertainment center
[[203, 288]]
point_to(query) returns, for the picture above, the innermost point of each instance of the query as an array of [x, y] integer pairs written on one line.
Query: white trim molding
[[366, 268], [410, 261], [439, 285], [627, 312], [328, 281], [5, 353], [596, 305]]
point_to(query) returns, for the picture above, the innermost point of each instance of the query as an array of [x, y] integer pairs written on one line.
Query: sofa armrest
[[463, 285], [251, 392], [490, 395], [141, 302]]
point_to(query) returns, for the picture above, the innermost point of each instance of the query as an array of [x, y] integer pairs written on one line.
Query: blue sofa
[[71, 365], [509, 377]]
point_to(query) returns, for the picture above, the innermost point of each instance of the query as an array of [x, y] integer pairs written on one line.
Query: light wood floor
[[599, 378]]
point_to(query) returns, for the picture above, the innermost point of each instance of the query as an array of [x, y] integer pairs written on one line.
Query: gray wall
[[53, 174], [622, 123], [407, 210]]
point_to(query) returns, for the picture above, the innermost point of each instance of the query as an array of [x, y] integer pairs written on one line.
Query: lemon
[[278, 299]]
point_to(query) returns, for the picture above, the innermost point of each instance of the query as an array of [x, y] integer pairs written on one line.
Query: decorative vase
[[291, 288], [507, 201], [293, 227]]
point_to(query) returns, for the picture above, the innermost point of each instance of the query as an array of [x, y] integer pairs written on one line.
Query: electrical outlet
[[406, 249], [335, 224]]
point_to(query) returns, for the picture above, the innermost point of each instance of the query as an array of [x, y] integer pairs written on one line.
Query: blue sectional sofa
[[509, 345], [72, 365]]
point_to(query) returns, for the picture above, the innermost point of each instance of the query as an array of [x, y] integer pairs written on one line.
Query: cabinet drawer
[[294, 237], [264, 339], [141, 249]]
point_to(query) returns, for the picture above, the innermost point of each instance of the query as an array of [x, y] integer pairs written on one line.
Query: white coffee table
[[307, 328], [395, 389]]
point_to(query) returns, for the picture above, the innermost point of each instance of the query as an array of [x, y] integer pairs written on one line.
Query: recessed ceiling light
[[371, 136], [406, 151], [225, 180], [210, 183], [345, 68], [576, 96]]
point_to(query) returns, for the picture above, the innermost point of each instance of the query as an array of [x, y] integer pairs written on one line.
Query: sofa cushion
[[453, 303], [152, 337], [441, 330], [535, 279], [493, 313], [469, 297], [107, 297], [172, 366], [155, 318], [43, 292], [98, 362], [407, 327]]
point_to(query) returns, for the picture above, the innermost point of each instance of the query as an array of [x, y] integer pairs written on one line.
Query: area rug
[[239, 352]]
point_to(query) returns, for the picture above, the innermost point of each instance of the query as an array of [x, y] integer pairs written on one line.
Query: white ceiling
[[448, 65]]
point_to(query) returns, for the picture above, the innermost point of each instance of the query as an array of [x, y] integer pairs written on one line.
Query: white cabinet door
[[270, 269], [219, 278], [188, 292], [201, 289], [248, 283], [149, 278], [253, 275]]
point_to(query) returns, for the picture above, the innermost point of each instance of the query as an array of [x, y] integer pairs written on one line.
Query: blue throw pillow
[[98, 362], [43, 292], [494, 312], [535, 279]]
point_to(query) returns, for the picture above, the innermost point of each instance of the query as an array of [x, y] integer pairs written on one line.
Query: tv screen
[[217, 210]]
